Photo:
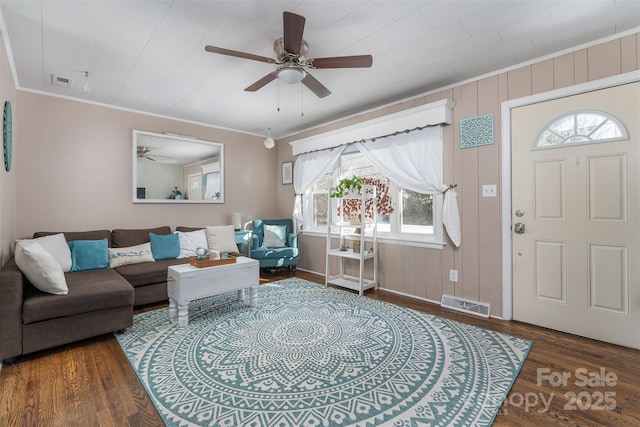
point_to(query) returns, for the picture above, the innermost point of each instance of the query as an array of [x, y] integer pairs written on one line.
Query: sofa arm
[[12, 283], [292, 240]]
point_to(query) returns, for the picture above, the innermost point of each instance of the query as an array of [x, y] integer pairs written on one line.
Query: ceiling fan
[[291, 51], [143, 152]]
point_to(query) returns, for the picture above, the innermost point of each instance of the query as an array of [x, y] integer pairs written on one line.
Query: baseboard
[[400, 293], [309, 271]]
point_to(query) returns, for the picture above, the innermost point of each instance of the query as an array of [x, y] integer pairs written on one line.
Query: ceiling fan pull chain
[[278, 94], [301, 100]]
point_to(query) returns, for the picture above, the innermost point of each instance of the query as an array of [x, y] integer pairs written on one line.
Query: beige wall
[[425, 272], [74, 166], [7, 179], [286, 194]]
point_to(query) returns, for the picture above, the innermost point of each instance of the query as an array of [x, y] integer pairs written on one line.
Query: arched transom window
[[580, 127]]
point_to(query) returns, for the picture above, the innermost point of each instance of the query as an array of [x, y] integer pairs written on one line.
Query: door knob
[[519, 228]]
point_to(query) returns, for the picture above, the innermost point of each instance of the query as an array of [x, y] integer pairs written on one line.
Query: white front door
[[195, 186], [576, 263]]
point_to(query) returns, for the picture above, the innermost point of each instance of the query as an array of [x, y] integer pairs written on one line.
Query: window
[[320, 195], [417, 212], [403, 215], [353, 163], [582, 127]]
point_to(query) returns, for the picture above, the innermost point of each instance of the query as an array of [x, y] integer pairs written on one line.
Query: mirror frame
[[173, 139]]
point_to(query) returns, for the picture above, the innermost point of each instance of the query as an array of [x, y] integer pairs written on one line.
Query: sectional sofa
[[98, 300]]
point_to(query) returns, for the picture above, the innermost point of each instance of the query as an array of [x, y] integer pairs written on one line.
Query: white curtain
[[307, 170], [414, 161]]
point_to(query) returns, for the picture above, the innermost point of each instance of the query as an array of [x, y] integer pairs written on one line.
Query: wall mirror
[[170, 168]]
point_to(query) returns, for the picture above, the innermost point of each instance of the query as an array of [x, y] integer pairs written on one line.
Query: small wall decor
[[476, 131], [7, 136], [287, 173]]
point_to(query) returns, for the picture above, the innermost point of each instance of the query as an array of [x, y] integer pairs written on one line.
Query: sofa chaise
[[98, 301]]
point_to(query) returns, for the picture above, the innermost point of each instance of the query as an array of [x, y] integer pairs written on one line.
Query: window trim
[[384, 239]]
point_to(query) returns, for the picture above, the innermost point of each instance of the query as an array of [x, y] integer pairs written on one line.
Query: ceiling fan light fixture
[[292, 61], [269, 143], [291, 75]]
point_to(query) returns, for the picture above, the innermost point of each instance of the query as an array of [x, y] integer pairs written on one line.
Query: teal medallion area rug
[[315, 356]]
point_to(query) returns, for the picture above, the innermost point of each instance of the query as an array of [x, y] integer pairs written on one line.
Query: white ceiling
[[148, 55]]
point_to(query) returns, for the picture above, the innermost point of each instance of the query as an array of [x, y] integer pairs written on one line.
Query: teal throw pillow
[[89, 254], [165, 246]]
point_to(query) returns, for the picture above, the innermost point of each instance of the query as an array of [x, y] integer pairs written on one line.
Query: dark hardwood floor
[[91, 383]]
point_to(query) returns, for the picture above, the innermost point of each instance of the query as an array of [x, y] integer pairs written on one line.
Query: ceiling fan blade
[[293, 29], [262, 82], [315, 86], [238, 54], [357, 61]]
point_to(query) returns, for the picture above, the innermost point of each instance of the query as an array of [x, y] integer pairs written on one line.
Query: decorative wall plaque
[[476, 131], [7, 136]]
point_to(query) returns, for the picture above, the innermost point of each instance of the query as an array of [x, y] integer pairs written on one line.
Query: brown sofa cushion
[[122, 238], [188, 229], [89, 291], [148, 272], [79, 235]]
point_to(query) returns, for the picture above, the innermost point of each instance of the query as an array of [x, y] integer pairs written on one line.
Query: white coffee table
[[187, 283]]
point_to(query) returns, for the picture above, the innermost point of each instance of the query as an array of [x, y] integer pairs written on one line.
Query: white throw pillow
[[275, 236], [190, 241], [222, 238], [40, 267], [130, 255], [57, 246]]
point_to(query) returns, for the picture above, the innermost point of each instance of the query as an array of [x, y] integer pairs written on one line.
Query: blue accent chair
[[273, 258]]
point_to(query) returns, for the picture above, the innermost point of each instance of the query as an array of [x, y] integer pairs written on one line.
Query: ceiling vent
[[61, 81]]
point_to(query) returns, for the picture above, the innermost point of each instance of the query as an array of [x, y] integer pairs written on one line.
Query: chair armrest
[[292, 240], [254, 242], [12, 283]]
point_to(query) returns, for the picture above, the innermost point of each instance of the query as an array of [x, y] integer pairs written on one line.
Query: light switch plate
[[453, 275], [489, 190]]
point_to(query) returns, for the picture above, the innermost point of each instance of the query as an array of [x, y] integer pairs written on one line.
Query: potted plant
[[345, 185], [351, 208]]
